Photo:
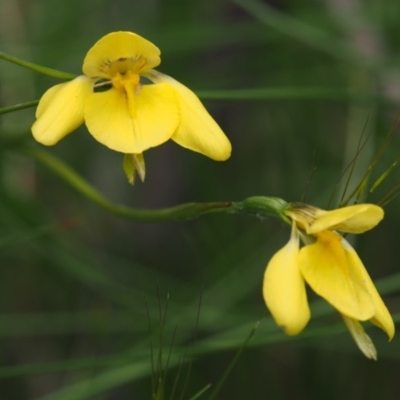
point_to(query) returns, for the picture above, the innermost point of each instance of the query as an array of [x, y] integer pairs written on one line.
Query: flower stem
[[20, 106], [261, 206], [233, 363], [35, 67]]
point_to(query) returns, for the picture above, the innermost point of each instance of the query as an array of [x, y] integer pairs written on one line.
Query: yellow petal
[[337, 276], [119, 52], [362, 340], [303, 214], [382, 317], [384, 321], [284, 289], [60, 110], [197, 130], [134, 124], [353, 219]]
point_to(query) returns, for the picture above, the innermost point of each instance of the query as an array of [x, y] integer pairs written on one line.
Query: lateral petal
[[383, 320], [120, 52], [382, 317], [197, 130], [352, 219], [132, 125], [284, 288], [60, 110], [335, 275]]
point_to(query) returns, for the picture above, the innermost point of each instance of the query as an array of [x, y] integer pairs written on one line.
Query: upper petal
[[337, 276], [197, 130], [60, 110], [147, 120], [120, 52], [352, 219], [284, 289]]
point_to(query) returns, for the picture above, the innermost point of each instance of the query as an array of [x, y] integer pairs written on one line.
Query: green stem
[[20, 106], [284, 93], [261, 206], [200, 393], [233, 363], [256, 94], [35, 67]]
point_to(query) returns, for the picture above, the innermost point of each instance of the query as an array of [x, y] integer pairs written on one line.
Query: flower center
[[129, 84], [124, 65], [125, 80]]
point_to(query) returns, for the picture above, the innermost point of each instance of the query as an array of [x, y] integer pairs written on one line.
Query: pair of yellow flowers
[[130, 117], [330, 265]]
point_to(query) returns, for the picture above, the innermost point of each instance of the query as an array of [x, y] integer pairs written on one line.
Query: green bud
[[263, 206]]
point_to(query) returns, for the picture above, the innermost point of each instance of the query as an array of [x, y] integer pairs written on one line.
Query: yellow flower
[[129, 116], [331, 267]]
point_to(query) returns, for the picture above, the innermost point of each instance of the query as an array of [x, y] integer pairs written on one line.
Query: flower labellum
[[129, 116]]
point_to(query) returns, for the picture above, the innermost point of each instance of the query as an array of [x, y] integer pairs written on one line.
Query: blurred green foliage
[[295, 85]]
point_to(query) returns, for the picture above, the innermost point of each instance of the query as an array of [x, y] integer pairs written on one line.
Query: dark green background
[[75, 280]]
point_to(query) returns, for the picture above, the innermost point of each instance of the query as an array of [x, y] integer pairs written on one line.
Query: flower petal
[[60, 110], [382, 317], [132, 125], [383, 320], [197, 130], [352, 219], [362, 340], [119, 52], [303, 214], [284, 288], [336, 275]]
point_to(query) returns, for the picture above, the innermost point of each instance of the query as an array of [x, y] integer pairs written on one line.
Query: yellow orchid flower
[[331, 267], [129, 116]]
